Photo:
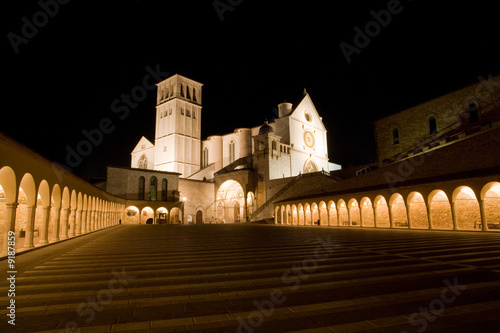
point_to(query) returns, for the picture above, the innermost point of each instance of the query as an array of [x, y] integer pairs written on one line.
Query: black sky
[[64, 79]]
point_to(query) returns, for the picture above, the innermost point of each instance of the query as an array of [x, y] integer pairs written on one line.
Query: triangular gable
[[299, 113], [143, 141]]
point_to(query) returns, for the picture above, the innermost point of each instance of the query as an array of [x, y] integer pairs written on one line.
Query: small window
[[164, 148], [188, 113], [170, 111], [273, 145], [164, 192], [182, 111], [141, 188], [473, 113], [194, 114], [395, 136], [433, 125], [153, 185]]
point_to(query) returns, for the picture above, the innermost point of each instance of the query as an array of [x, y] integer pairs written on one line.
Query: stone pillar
[[391, 217], [408, 215], [429, 217], [374, 216], [30, 226], [84, 221], [10, 222], [44, 233], [92, 220], [72, 222], [78, 223], [482, 210], [64, 222], [349, 216], [57, 222], [454, 217], [361, 215]]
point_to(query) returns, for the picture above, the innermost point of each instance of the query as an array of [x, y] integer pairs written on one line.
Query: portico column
[[429, 217], [454, 216], [391, 217], [78, 222], [84, 221], [30, 224], [92, 220], [64, 222], [10, 220], [57, 221], [361, 215], [72, 221], [349, 216], [483, 215], [408, 215], [374, 216], [44, 234]]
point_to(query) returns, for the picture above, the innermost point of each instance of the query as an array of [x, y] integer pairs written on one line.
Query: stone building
[[439, 168], [225, 178]]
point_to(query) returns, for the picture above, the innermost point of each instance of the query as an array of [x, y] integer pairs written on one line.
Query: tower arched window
[[231, 151], [188, 92], [153, 186], [395, 136], [182, 90], [140, 195], [194, 94]]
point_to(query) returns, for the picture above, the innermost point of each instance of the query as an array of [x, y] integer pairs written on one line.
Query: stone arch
[[294, 215], [25, 213], [161, 215], [397, 211], [490, 202], [307, 214], [466, 207], [300, 211], [175, 216], [310, 166], [323, 213], [42, 213], [366, 212], [417, 211], [342, 213], [439, 210], [132, 215], [147, 214], [332, 213], [381, 212], [354, 212], [228, 194]]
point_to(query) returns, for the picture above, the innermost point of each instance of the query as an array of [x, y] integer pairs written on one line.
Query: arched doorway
[[199, 217], [230, 201]]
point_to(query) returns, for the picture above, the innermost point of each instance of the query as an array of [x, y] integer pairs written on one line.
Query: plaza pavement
[[258, 278]]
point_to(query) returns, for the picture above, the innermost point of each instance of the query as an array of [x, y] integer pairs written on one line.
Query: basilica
[[223, 178]]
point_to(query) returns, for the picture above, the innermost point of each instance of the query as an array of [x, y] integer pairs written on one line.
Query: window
[[170, 111], [164, 193], [141, 188], [182, 90], [143, 162], [395, 136], [194, 96], [188, 95], [194, 114], [205, 157], [231, 151], [188, 113], [433, 125], [182, 111], [153, 185], [273, 145], [473, 113]]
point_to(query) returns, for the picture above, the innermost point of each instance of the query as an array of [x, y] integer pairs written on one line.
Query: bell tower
[[178, 125]]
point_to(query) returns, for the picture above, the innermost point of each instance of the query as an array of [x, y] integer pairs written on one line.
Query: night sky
[[66, 74]]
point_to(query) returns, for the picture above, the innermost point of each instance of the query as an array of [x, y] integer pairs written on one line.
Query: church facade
[[226, 178]]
